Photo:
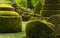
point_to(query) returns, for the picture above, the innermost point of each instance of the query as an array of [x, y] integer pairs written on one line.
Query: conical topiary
[[51, 7], [39, 29]]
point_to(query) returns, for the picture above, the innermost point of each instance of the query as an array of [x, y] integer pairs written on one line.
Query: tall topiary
[[39, 29], [10, 21], [51, 7]]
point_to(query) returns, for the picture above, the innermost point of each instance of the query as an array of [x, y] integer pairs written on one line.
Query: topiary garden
[[42, 21]]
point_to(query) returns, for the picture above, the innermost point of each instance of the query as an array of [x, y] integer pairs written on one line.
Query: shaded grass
[[15, 35]]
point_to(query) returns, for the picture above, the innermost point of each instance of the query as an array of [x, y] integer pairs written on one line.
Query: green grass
[[15, 35]]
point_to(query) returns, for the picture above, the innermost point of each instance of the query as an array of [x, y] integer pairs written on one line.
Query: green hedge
[[8, 13], [52, 2], [10, 24], [55, 19], [48, 13], [35, 18], [6, 9], [52, 7], [56, 34], [26, 16], [39, 29]]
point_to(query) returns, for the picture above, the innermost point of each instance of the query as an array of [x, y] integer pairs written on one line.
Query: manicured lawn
[[15, 35]]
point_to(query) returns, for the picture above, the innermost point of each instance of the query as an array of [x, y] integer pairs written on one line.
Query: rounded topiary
[[10, 24], [52, 2], [6, 7], [56, 34], [39, 29], [26, 17], [35, 18], [36, 15], [8, 13], [55, 19], [48, 13]]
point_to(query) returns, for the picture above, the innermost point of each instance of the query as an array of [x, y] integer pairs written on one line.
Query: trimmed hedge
[[35, 18], [6, 7], [55, 19], [36, 15], [39, 29], [26, 16], [52, 7], [52, 2], [10, 24], [8, 13], [56, 34], [48, 13]]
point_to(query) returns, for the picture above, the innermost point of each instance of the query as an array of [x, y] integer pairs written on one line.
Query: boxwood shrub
[[51, 7], [39, 29], [55, 19], [35, 18], [10, 24], [8, 13], [6, 7], [26, 16], [52, 2], [48, 13], [56, 34]]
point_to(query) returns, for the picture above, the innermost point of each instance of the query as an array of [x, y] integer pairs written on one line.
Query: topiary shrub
[[48, 13], [51, 7], [10, 24], [39, 29], [6, 7], [35, 18], [26, 17], [56, 34], [52, 2], [8, 13], [36, 15], [55, 19]]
